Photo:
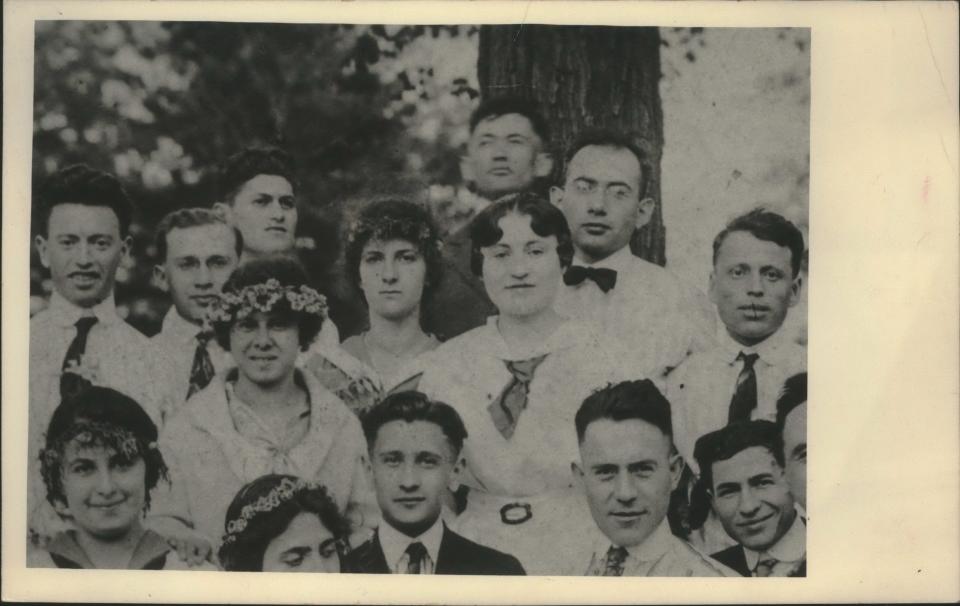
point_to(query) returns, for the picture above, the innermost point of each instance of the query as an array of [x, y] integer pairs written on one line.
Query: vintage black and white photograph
[[419, 299]]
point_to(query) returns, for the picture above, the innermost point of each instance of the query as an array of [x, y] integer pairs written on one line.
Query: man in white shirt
[[80, 340], [627, 469], [197, 250], [640, 305], [742, 470], [415, 448]]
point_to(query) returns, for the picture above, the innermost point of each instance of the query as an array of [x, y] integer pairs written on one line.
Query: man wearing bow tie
[[639, 305]]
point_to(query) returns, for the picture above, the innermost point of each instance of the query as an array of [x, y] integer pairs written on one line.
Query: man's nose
[[409, 477], [83, 254], [277, 212], [625, 489], [596, 202], [755, 284], [749, 503], [204, 277]]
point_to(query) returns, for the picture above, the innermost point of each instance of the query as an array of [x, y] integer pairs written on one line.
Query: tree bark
[[585, 76]]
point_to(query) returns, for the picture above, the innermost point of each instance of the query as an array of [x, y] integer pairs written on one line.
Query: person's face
[[82, 250], [105, 493], [795, 452], [305, 546], [265, 347], [413, 464], [601, 200], [503, 156], [752, 286], [199, 260], [265, 212], [392, 275], [751, 497], [627, 474], [521, 272]]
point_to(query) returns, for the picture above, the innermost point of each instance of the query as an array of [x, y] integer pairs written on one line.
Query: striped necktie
[[201, 371]]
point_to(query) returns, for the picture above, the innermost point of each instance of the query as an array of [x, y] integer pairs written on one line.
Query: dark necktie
[[416, 552], [744, 399], [71, 383], [201, 372], [616, 556], [505, 410], [604, 278]]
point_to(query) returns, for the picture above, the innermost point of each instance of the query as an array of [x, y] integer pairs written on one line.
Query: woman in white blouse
[[518, 381], [393, 259], [264, 416]]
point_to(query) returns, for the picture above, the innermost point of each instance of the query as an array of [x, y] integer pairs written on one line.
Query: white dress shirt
[[700, 389], [789, 551], [120, 359], [394, 544], [650, 313]]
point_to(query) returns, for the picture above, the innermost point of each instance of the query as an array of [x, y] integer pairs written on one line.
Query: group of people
[[528, 396]]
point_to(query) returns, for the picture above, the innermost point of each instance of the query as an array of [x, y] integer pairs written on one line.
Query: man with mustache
[[641, 306], [197, 250], [755, 280], [507, 153], [627, 469], [742, 469], [83, 224]]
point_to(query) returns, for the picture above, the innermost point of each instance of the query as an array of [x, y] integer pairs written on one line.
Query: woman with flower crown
[[281, 523], [393, 259], [263, 416]]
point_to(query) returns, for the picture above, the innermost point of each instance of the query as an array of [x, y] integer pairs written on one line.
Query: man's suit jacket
[[457, 555], [460, 302], [735, 558]]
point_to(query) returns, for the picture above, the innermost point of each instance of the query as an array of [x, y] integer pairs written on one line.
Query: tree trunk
[[582, 76]]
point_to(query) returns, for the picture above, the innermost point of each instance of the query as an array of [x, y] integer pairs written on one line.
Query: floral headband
[[385, 228], [285, 491], [263, 297]]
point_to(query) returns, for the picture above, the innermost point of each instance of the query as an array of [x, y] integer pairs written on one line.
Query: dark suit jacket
[[735, 558], [460, 301], [457, 555]]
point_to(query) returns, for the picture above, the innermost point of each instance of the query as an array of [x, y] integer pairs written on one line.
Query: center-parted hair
[[731, 440], [493, 108], [605, 137], [250, 162], [244, 553], [623, 401], [287, 272], [191, 217], [100, 417], [80, 184], [410, 406], [767, 226], [395, 219], [545, 219]]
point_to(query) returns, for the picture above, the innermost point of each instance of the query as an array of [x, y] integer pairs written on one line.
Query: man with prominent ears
[[627, 469], [414, 445], [641, 306], [507, 153]]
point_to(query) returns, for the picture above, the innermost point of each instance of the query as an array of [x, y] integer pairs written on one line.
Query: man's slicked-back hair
[[494, 107], [793, 394], [80, 184], [410, 406], [607, 137], [250, 162], [731, 440], [767, 226], [545, 219], [623, 401], [190, 217]]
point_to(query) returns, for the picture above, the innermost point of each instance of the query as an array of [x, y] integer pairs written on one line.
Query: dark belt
[[516, 513]]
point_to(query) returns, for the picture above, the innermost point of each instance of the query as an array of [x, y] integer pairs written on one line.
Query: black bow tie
[[605, 278]]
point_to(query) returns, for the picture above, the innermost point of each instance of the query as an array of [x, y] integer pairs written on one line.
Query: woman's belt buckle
[[516, 513]]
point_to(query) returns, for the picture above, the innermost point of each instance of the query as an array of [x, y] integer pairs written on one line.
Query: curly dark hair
[[244, 551], [410, 406], [395, 219], [100, 417], [80, 184], [770, 227], [286, 271], [250, 162]]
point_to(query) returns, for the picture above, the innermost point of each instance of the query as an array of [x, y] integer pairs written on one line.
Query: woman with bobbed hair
[[393, 257], [263, 416], [280, 523]]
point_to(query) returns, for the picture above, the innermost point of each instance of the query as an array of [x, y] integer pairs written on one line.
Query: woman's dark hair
[[395, 219], [242, 549], [545, 220], [287, 272], [100, 417]]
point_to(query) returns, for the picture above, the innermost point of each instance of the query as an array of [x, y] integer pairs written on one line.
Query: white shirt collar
[[177, 327], [568, 334], [618, 261], [65, 314], [791, 547], [394, 543], [771, 350], [654, 546]]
